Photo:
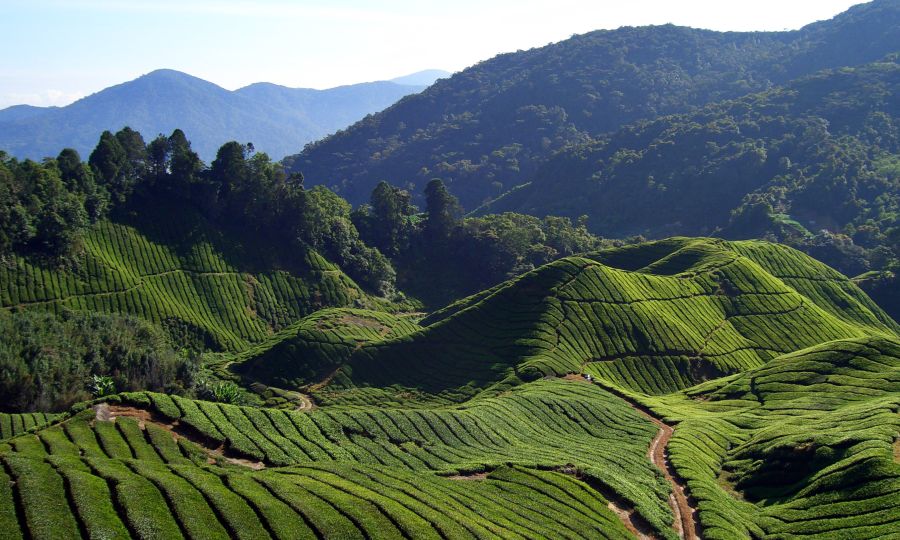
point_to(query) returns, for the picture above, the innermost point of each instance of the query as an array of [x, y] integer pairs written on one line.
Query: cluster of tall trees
[[44, 207], [47, 205], [440, 256]]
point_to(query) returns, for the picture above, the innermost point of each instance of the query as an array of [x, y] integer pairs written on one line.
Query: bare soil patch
[[107, 412]]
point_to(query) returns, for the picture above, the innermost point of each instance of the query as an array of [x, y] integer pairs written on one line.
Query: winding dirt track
[[687, 522]]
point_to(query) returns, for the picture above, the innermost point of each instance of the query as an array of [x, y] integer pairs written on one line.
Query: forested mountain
[[487, 129], [818, 153], [276, 119]]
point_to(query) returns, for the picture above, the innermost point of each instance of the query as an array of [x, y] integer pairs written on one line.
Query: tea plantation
[[653, 318], [199, 284], [540, 408], [806, 445]]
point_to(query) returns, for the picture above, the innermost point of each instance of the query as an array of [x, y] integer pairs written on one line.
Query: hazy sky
[[55, 51]]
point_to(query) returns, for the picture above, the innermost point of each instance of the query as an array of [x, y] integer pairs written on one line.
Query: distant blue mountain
[[424, 78], [276, 119], [21, 112]]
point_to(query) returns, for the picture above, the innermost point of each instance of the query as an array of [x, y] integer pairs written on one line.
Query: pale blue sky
[[55, 51]]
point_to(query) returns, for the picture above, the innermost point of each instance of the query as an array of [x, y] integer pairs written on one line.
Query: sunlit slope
[[652, 318], [154, 465], [202, 286], [16, 424], [805, 445]]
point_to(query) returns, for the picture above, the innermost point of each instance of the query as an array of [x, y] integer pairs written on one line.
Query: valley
[[640, 282]]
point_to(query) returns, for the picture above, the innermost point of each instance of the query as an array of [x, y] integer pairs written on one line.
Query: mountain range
[[278, 120]]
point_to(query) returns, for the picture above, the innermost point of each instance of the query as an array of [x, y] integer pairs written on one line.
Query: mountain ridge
[[487, 128], [165, 99]]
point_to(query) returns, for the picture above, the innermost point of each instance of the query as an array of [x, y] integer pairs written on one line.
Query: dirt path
[[687, 521]]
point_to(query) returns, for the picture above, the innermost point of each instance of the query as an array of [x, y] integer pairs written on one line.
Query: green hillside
[[207, 288], [803, 446], [654, 318], [478, 422], [486, 129], [818, 153], [307, 351]]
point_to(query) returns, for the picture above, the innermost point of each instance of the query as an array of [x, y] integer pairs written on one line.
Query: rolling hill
[[797, 441], [653, 318], [488, 128], [276, 119]]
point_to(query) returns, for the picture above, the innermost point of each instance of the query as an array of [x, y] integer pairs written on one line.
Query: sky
[[56, 51]]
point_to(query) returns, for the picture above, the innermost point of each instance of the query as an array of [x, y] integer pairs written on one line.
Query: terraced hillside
[[805, 446], [653, 318], [550, 459], [482, 422], [204, 287]]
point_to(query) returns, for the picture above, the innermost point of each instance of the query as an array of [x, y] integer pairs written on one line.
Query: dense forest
[[812, 164], [487, 129]]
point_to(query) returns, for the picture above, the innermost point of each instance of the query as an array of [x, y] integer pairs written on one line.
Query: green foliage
[[443, 214], [652, 318], [884, 288], [441, 257], [42, 212], [488, 128], [222, 392], [328, 227], [49, 362], [386, 221], [807, 164], [102, 385]]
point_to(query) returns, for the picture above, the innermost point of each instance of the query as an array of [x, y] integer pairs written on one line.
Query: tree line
[[45, 207]]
